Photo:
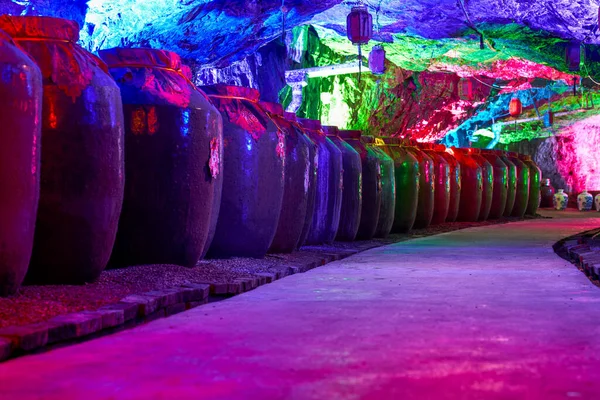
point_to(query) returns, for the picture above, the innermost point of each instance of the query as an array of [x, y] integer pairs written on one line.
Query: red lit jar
[[535, 185], [297, 182], [472, 185], [329, 186], [407, 174], [352, 187], [442, 184], [371, 190], [487, 173], [21, 133], [253, 174], [426, 204], [500, 193], [455, 182], [523, 184], [173, 161], [511, 192], [81, 192]]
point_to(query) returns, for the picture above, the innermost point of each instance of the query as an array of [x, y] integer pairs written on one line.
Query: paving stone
[[266, 277], [165, 297], [219, 289], [194, 304], [5, 348], [146, 304], [26, 337], [110, 317], [175, 309], [155, 315], [195, 292], [72, 326], [130, 310]]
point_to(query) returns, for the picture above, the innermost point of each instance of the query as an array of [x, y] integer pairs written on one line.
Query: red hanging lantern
[[573, 56], [359, 25], [377, 60], [465, 89], [516, 107]]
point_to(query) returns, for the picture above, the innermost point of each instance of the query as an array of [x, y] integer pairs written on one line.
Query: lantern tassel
[[359, 62]]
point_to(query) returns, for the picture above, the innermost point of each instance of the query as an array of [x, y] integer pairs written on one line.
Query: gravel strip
[[40, 303]]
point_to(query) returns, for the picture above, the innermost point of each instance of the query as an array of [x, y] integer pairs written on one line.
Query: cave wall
[[571, 159], [423, 105]]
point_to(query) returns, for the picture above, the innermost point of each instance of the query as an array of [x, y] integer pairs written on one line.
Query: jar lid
[[273, 108], [240, 92], [331, 130], [350, 134], [35, 27], [119, 57]]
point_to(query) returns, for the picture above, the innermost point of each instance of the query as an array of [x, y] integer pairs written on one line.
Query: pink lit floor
[[483, 313]]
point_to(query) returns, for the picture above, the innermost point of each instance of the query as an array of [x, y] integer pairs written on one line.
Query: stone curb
[[137, 309], [577, 250]]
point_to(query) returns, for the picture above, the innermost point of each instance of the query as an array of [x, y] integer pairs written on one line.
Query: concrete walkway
[[484, 313]]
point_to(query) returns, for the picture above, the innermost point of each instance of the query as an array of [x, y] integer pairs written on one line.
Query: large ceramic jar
[[352, 187], [387, 182], [487, 172], [561, 200], [312, 177], [253, 175], [455, 182], [82, 170], [472, 185], [329, 186], [546, 194], [426, 204], [585, 201], [511, 193], [442, 184], [407, 174], [297, 182], [173, 163], [371, 190], [523, 182], [535, 181], [597, 202], [20, 118], [500, 193]]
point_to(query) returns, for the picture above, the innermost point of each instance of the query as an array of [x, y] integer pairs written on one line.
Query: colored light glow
[[578, 155]]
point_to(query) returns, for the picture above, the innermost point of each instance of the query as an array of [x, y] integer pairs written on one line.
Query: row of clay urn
[[121, 160], [436, 185]]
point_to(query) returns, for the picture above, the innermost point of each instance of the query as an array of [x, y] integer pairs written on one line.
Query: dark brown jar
[[82, 170], [388, 188], [487, 173], [253, 174], [312, 177], [407, 173], [523, 183], [442, 184], [472, 185], [329, 186], [21, 134], [426, 204], [535, 185], [173, 160], [455, 182], [500, 183], [297, 182], [352, 187], [511, 192], [371, 185]]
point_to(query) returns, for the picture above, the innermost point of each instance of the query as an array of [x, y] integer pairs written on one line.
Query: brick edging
[[576, 250], [137, 309]]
